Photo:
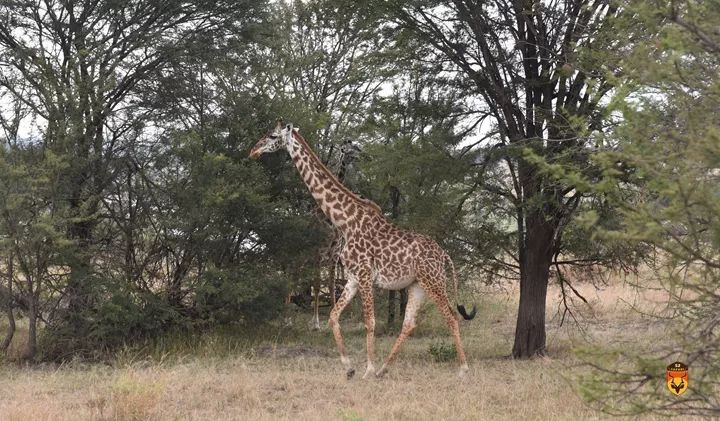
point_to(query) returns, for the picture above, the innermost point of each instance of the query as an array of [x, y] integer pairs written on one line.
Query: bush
[[120, 314], [238, 297], [116, 315], [442, 352]]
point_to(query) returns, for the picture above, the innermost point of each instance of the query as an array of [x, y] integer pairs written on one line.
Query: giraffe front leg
[[366, 294], [348, 293]]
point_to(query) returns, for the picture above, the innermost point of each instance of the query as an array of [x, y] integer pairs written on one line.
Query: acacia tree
[[667, 148], [536, 68], [320, 64], [32, 240], [76, 65], [407, 162]]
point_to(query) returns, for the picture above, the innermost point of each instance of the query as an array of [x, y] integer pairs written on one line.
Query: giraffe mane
[[366, 203]]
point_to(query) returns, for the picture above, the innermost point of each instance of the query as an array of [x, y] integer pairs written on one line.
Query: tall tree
[[536, 67], [77, 65], [667, 148], [320, 64], [407, 164]]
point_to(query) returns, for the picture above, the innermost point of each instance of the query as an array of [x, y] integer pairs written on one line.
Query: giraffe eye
[[273, 136]]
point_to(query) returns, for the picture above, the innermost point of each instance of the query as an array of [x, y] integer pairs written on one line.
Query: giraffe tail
[[460, 308]]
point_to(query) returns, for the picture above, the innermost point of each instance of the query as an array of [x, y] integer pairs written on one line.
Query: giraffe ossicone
[[375, 253]]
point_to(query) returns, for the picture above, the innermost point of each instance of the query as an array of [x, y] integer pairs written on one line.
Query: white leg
[[348, 293], [316, 308], [369, 316], [441, 301], [416, 296]]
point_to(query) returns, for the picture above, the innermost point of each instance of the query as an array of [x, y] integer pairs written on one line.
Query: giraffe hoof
[[368, 373], [380, 373], [350, 373], [463, 371]]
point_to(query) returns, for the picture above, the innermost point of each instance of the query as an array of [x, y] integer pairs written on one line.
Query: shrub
[[238, 297], [442, 351]]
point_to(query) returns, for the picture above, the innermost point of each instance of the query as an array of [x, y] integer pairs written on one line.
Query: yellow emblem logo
[[677, 378]]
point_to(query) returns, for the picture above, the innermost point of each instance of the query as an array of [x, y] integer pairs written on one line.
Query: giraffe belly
[[393, 282]]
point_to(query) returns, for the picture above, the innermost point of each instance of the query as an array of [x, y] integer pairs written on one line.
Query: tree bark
[[403, 303], [31, 345], [537, 102], [9, 310], [392, 297], [10, 330], [78, 288], [534, 273]]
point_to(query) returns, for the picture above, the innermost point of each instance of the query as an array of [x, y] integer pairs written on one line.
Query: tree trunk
[[392, 296], [399, 299], [80, 269], [31, 345], [9, 310], [10, 331], [536, 258]]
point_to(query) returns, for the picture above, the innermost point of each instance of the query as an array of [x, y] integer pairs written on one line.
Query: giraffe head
[[278, 138]]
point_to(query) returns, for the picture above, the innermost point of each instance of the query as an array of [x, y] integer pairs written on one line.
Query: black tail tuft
[[463, 312]]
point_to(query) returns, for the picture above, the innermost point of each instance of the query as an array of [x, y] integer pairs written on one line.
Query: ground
[[294, 373]]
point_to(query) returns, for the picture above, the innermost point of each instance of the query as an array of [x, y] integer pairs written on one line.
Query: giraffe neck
[[336, 201]]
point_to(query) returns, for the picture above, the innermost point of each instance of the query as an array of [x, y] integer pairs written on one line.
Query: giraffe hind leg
[[416, 296], [432, 278], [366, 294], [441, 301]]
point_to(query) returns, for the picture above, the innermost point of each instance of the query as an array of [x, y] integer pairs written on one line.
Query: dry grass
[[295, 374]]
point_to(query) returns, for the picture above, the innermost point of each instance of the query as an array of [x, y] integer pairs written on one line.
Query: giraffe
[[375, 253]]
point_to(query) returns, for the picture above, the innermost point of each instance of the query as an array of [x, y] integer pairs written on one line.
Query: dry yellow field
[[294, 373]]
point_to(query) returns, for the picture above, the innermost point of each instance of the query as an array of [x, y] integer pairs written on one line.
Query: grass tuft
[[442, 351]]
